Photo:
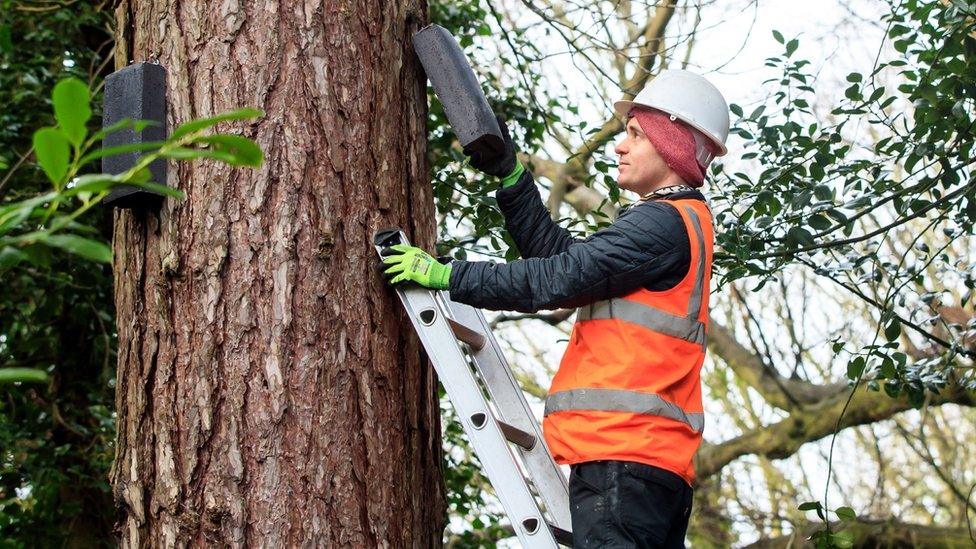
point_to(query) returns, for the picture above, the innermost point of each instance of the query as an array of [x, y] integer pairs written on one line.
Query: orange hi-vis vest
[[629, 385]]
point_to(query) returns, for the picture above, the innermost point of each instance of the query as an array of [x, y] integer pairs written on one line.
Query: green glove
[[513, 177], [412, 263]]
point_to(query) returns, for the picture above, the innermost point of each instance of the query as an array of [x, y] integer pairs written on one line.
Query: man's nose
[[619, 148]]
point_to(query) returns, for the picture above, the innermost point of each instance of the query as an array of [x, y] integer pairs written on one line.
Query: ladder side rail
[[507, 395], [430, 322]]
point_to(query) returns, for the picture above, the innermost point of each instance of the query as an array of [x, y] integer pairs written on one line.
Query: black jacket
[[646, 246]]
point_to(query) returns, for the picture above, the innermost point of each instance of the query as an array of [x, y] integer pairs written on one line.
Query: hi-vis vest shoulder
[[629, 385]]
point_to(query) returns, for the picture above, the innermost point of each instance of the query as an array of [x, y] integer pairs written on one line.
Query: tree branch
[[878, 533], [781, 392], [808, 424], [552, 318]]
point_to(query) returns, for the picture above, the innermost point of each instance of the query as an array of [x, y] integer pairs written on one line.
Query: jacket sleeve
[[646, 243], [528, 221]]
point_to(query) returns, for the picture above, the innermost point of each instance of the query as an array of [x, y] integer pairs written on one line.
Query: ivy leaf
[[71, 109], [53, 151]]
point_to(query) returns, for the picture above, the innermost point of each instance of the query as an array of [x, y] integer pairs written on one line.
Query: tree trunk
[[270, 390]]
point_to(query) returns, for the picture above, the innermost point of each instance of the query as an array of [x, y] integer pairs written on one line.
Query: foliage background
[[55, 439]]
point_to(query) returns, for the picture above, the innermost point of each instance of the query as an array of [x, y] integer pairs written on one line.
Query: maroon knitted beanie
[[673, 141]]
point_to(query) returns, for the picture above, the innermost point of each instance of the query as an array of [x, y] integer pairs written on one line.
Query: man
[[624, 409]]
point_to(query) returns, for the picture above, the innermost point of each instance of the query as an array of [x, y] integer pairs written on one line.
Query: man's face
[[641, 168]]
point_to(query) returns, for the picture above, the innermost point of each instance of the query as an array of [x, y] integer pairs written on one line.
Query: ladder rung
[[512, 433], [517, 436], [563, 537], [467, 335]]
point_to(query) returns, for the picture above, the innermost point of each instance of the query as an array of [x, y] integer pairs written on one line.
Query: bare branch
[[779, 391], [783, 439]]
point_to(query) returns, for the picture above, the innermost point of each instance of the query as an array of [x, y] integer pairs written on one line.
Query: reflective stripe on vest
[[687, 328], [620, 400]]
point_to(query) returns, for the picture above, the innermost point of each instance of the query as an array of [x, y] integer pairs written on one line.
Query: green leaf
[[823, 192], [887, 369], [855, 368], [22, 375], [791, 46], [184, 153], [53, 151], [13, 214], [798, 237], [79, 245], [10, 257], [845, 513], [71, 109], [892, 388], [141, 176], [842, 540], [160, 189], [120, 149], [197, 125], [778, 36], [893, 330], [6, 42], [136, 125], [90, 183], [819, 222], [809, 506], [245, 151]]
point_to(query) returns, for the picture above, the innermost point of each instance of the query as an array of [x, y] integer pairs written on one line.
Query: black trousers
[[618, 504]]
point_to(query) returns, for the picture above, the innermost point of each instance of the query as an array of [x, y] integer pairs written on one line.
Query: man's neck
[[670, 180]]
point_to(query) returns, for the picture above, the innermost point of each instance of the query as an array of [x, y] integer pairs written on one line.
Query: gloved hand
[[499, 165], [412, 263]]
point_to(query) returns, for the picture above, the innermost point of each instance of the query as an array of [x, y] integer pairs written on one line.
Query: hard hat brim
[[623, 108]]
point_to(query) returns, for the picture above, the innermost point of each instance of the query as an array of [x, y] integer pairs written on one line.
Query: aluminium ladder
[[517, 476]]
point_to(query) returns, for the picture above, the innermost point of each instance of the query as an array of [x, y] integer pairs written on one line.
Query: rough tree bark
[[270, 391]]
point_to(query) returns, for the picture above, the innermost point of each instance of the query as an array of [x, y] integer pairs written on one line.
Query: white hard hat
[[693, 100]]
